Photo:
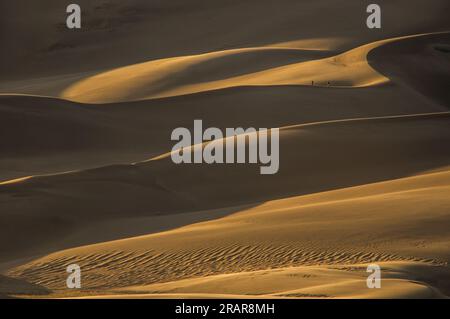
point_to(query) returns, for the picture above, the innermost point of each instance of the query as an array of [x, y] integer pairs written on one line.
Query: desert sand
[[86, 175]]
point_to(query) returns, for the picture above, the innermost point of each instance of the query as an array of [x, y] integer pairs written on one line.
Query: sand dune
[[86, 175], [401, 280], [287, 232], [231, 68], [174, 76]]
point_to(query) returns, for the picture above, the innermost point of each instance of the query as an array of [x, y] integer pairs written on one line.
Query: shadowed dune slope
[[418, 63], [116, 33]]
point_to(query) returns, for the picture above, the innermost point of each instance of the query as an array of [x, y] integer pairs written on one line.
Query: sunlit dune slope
[[400, 280], [189, 74], [304, 230]]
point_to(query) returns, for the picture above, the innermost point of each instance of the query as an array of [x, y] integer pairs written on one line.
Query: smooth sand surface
[[86, 175]]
